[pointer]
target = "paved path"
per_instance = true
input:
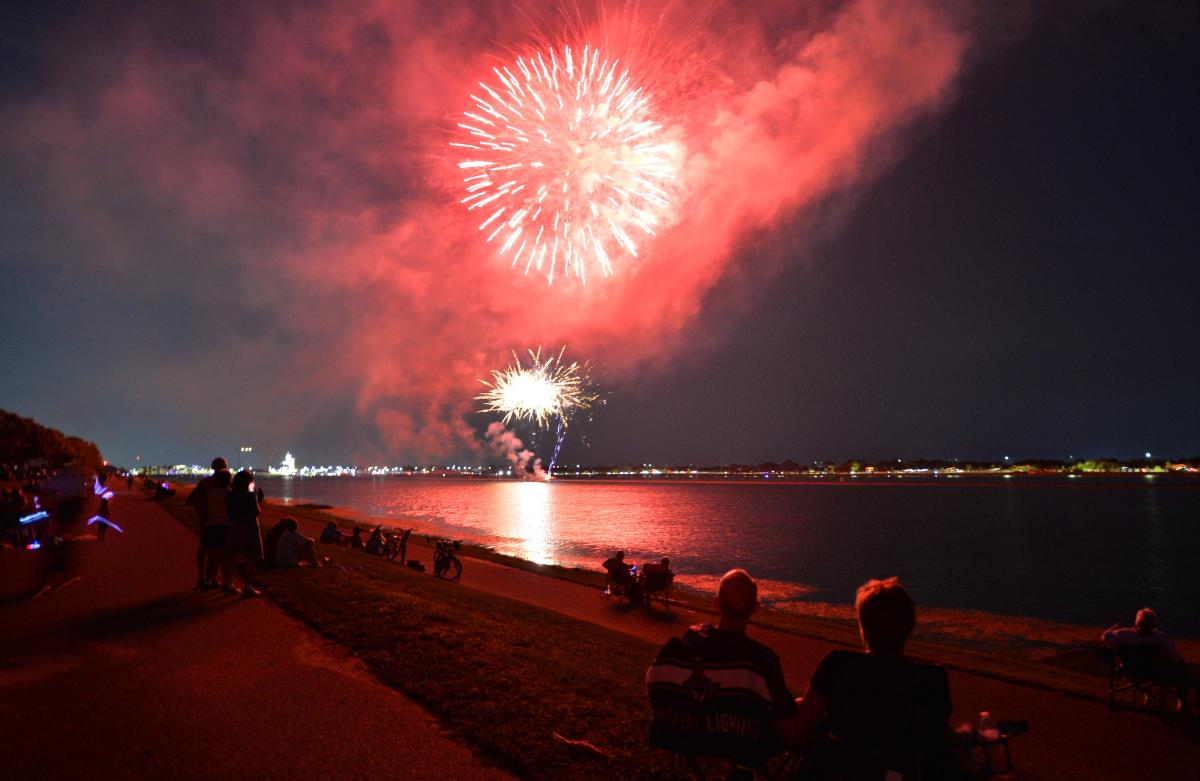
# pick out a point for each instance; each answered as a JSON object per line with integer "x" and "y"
{"x": 129, "y": 673}
{"x": 1070, "y": 738}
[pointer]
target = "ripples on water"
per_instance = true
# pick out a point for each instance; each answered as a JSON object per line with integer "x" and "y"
{"x": 1088, "y": 551}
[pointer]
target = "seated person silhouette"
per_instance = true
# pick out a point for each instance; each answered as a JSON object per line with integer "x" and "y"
{"x": 618, "y": 569}
{"x": 656, "y": 579}
{"x": 331, "y": 535}
{"x": 1144, "y": 631}
{"x": 1167, "y": 667}
{"x": 271, "y": 540}
{"x": 717, "y": 693}
{"x": 375, "y": 542}
{"x": 660, "y": 570}
{"x": 875, "y": 714}
{"x": 293, "y": 548}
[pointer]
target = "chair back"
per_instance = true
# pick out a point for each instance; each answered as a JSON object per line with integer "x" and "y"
{"x": 657, "y": 578}
{"x": 1143, "y": 661}
{"x": 710, "y": 707}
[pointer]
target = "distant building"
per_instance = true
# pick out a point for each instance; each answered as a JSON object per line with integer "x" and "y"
{"x": 287, "y": 468}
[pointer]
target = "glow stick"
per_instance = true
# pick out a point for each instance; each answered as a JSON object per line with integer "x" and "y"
{"x": 102, "y": 519}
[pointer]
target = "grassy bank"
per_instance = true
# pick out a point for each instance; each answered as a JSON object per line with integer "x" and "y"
{"x": 504, "y": 676}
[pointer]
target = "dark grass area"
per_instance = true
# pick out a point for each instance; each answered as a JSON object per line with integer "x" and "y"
{"x": 502, "y": 675}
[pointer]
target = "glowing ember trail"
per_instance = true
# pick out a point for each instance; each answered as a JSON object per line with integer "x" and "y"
{"x": 540, "y": 391}
{"x": 565, "y": 163}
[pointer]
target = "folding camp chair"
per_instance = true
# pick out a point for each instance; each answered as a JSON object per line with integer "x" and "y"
{"x": 1145, "y": 672}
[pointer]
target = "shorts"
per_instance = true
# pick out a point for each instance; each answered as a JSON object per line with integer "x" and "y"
{"x": 214, "y": 536}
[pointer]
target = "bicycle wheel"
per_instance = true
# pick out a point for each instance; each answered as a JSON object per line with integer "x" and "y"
{"x": 451, "y": 569}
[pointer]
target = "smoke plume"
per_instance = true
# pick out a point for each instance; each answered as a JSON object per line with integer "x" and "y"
{"x": 290, "y": 163}
{"x": 507, "y": 445}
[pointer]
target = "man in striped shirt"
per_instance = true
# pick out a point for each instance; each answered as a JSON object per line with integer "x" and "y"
{"x": 716, "y": 692}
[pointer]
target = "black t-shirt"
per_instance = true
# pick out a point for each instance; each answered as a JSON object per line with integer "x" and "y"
{"x": 885, "y": 707}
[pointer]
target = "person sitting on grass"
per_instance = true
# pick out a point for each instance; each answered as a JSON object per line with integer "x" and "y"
{"x": 330, "y": 534}
{"x": 271, "y": 542}
{"x": 293, "y": 548}
{"x": 356, "y": 540}
{"x": 875, "y": 712}
{"x": 716, "y": 692}
{"x": 375, "y": 542}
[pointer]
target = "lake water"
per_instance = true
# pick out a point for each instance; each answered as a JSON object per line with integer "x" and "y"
{"x": 1089, "y": 550}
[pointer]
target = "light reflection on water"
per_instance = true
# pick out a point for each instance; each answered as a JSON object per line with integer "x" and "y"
{"x": 1082, "y": 551}
{"x": 524, "y": 515}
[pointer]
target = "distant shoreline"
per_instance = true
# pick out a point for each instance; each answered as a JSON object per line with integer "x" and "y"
{"x": 788, "y": 471}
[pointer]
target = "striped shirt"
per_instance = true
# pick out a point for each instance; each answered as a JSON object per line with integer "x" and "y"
{"x": 718, "y": 693}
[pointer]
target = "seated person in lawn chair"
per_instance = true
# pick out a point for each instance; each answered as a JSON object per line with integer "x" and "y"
{"x": 1144, "y": 658}
{"x": 716, "y": 693}
{"x": 876, "y": 714}
{"x": 622, "y": 579}
{"x": 656, "y": 581}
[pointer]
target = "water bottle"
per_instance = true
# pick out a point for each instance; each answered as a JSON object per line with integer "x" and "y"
{"x": 993, "y": 753}
{"x": 987, "y": 729}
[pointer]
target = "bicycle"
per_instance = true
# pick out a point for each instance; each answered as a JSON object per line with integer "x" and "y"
{"x": 445, "y": 564}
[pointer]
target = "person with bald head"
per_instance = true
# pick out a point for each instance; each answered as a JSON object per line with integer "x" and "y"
{"x": 1144, "y": 631}
{"x": 717, "y": 692}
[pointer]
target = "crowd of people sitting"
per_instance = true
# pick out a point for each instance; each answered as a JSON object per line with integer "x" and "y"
{"x": 232, "y": 545}
{"x": 390, "y": 544}
{"x": 23, "y": 474}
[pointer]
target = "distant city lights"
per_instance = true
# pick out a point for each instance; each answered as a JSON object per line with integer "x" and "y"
{"x": 815, "y": 469}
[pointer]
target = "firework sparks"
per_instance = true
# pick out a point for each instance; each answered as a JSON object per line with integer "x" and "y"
{"x": 565, "y": 165}
{"x": 542, "y": 390}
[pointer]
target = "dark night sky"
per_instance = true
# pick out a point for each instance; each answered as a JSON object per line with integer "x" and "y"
{"x": 1022, "y": 280}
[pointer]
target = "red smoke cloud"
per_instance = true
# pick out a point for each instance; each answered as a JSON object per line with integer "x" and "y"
{"x": 313, "y": 143}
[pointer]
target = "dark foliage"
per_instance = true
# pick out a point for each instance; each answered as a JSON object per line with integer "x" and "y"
{"x": 25, "y": 441}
